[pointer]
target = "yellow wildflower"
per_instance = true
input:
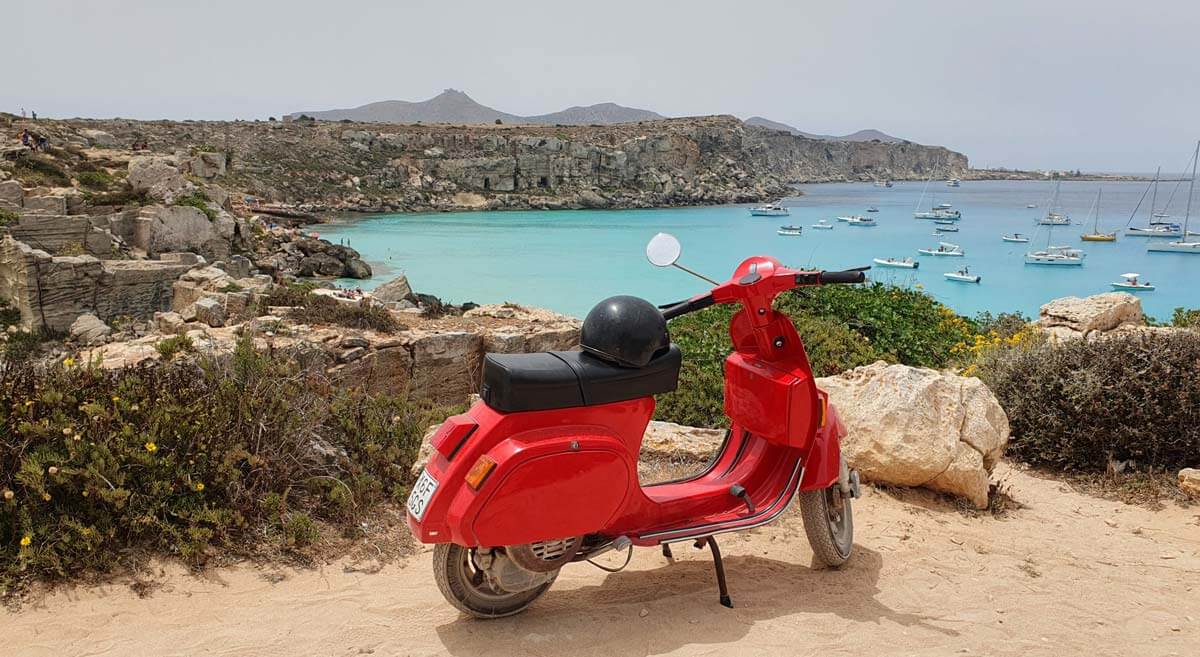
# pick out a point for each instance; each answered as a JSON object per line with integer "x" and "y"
{"x": 116, "y": 398}
{"x": 52, "y": 470}
{"x": 46, "y": 496}
{"x": 85, "y": 493}
{"x": 69, "y": 362}
{"x": 75, "y": 437}
{"x": 68, "y": 431}
{"x": 151, "y": 447}
{"x": 26, "y": 540}
{"x": 199, "y": 486}
{"x": 8, "y": 494}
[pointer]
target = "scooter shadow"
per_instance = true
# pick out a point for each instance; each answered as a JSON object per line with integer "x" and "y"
{"x": 680, "y": 600}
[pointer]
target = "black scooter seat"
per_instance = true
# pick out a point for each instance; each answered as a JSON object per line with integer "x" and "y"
{"x": 562, "y": 379}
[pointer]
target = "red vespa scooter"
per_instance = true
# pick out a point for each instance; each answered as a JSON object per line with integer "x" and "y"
{"x": 543, "y": 470}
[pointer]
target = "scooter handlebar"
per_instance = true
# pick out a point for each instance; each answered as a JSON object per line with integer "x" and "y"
{"x": 849, "y": 276}
{"x": 673, "y": 310}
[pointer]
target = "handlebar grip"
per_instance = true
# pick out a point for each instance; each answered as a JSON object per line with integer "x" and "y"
{"x": 846, "y": 277}
{"x": 689, "y": 305}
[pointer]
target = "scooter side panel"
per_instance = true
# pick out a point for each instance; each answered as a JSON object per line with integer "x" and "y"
{"x": 568, "y": 493}
{"x": 822, "y": 463}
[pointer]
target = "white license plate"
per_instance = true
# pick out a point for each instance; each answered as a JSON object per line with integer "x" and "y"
{"x": 422, "y": 492}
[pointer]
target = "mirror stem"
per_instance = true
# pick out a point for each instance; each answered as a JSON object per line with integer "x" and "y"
{"x": 700, "y": 276}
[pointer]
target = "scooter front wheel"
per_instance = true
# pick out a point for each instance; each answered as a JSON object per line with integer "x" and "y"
{"x": 464, "y": 585}
{"x": 829, "y": 523}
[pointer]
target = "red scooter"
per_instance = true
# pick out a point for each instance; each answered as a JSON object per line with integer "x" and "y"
{"x": 543, "y": 470}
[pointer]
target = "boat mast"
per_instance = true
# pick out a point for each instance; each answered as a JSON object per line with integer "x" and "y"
{"x": 1191, "y": 188}
{"x": 1154, "y": 196}
{"x": 924, "y": 189}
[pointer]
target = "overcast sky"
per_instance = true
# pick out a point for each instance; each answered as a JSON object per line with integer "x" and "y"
{"x": 1090, "y": 84}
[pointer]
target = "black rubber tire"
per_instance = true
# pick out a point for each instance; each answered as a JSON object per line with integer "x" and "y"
{"x": 832, "y": 541}
{"x": 452, "y": 570}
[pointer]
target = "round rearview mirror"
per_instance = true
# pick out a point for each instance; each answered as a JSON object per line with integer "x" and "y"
{"x": 663, "y": 250}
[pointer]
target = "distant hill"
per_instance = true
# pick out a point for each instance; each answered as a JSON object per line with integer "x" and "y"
{"x": 861, "y": 135}
{"x": 453, "y": 106}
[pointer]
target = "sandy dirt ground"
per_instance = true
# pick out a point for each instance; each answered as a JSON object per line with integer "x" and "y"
{"x": 1066, "y": 575}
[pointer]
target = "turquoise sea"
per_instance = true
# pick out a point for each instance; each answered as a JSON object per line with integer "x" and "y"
{"x": 569, "y": 260}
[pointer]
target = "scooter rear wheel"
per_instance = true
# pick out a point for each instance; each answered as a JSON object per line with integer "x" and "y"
{"x": 829, "y": 523}
{"x": 466, "y": 587}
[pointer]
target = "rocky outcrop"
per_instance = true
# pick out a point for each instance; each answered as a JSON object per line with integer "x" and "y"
{"x": 396, "y": 290}
{"x": 88, "y": 329}
{"x": 167, "y": 228}
{"x": 1189, "y": 482}
{"x": 911, "y": 426}
{"x": 286, "y": 251}
{"x": 797, "y": 158}
{"x": 158, "y": 176}
{"x": 1073, "y": 317}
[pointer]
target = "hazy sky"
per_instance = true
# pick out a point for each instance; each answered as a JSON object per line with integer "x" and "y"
{"x": 1091, "y": 84}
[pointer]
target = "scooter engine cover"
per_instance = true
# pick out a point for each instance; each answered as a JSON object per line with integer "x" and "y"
{"x": 570, "y": 493}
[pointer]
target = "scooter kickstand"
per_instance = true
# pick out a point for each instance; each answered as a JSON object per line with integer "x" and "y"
{"x": 722, "y": 588}
{"x": 667, "y": 551}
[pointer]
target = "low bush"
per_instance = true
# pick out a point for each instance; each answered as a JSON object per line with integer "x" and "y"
{"x": 98, "y": 179}
{"x": 174, "y": 345}
{"x": 198, "y": 200}
{"x": 1185, "y": 318}
{"x": 41, "y": 170}
{"x": 120, "y": 197}
{"x": 100, "y": 469}
{"x": 309, "y": 308}
{"x": 8, "y": 217}
{"x": 9, "y": 316}
{"x": 1085, "y": 405}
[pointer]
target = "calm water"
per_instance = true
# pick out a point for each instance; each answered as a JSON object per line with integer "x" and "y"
{"x": 568, "y": 260}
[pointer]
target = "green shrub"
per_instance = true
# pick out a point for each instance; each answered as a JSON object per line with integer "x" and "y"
{"x": 8, "y": 217}
{"x": 198, "y": 200}
{"x": 9, "y": 316}
{"x": 24, "y": 344}
{"x": 95, "y": 179}
{"x": 1004, "y": 325}
{"x": 1184, "y": 318}
{"x": 1082, "y": 405}
{"x": 100, "y": 469}
{"x": 308, "y": 308}
{"x": 903, "y": 325}
{"x": 290, "y": 294}
{"x": 41, "y": 170}
{"x": 174, "y": 345}
{"x": 121, "y": 197}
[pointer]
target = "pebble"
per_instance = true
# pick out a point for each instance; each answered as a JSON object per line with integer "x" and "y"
{"x": 644, "y": 612}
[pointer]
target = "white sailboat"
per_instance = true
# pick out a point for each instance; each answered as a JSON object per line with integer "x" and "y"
{"x": 1053, "y": 218}
{"x": 943, "y": 211}
{"x": 1055, "y": 255}
{"x": 1153, "y": 227}
{"x": 1184, "y": 244}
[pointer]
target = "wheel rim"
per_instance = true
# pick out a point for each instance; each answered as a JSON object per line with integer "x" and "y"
{"x": 473, "y": 578}
{"x": 837, "y": 513}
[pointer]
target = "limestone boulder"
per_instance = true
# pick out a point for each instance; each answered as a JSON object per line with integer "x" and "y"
{"x": 158, "y": 176}
{"x": 679, "y": 442}
{"x": 912, "y": 426}
{"x": 55, "y": 204}
{"x": 11, "y": 192}
{"x": 1189, "y": 482}
{"x": 209, "y": 311}
{"x": 88, "y": 329}
{"x": 396, "y": 289}
{"x": 1075, "y": 317}
{"x": 100, "y": 138}
{"x": 445, "y": 365}
{"x": 205, "y": 165}
{"x": 167, "y": 228}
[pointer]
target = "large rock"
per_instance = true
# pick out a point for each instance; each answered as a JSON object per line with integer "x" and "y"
{"x": 396, "y": 289}
{"x": 100, "y": 138}
{"x": 88, "y": 329}
{"x": 158, "y": 176}
{"x": 446, "y": 366}
{"x": 210, "y": 311}
{"x": 205, "y": 165}
{"x": 163, "y": 229}
{"x": 11, "y": 192}
{"x": 1189, "y": 482}
{"x": 55, "y": 204}
{"x": 912, "y": 426}
{"x": 1070, "y": 317}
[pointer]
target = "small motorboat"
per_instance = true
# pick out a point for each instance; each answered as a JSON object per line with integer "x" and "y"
{"x": 944, "y": 249}
{"x": 770, "y": 210}
{"x": 946, "y": 229}
{"x": 1132, "y": 284}
{"x": 823, "y": 224}
{"x": 861, "y": 221}
{"x": 943, "y": 222}
{"x": 1031, "y": 206}
{"x": 1016, "y": 237}
{"x": 963, "y": 275}
{"x": 872, "y": 209}
{"x": 900, "y": 263}
{"x": 790, "y": 230}
{"x": 847, "y": 217}
{"x": 953, "y": 182}
{"x": 883, "y": 183}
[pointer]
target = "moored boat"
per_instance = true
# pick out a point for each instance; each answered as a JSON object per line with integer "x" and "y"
{"x": 899, "y": 263}
{"x": 1016, "y": 237}
{"x": 1096, "y": 235}
{"x": 823, "y": 224}
{"x": 1132, "y": 284}
{"x": 953, "y": 182}
{"x": 790, "y": 230}
{"x": 861, "y": 221}
{"x": 943, "y": 249}
{"x": 946, "y": 229}
{"x": 770, "y": 210}
{"x": 872, "y": 209}
{"x": 943, "y": 211}
{"x": 963, "y": 275}
{"x": 1055, "y": 255}
{"x": 1052, "y": 217}
{"x": 1183, "y": 245}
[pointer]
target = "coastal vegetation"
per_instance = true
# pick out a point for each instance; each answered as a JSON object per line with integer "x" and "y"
{"x": 100, "y": 469}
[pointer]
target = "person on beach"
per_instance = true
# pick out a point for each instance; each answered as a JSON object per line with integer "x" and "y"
{"x": 33, "y": 114}
{"x": 42, "y": 144}
{"x": 25, "y": 139}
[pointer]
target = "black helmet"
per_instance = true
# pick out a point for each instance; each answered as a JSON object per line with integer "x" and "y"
{"x": 624, "y": 330}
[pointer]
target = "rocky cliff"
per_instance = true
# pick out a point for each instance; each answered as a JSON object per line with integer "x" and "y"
{"x": 374, "y": 167}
